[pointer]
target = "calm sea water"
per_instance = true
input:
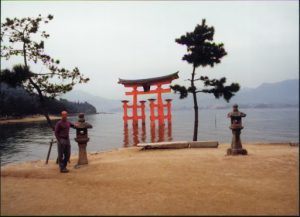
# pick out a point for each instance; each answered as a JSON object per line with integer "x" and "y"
{"x": 30, "y": 141}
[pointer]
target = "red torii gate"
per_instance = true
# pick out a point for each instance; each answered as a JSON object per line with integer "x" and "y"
{"x": 146, "y": 84}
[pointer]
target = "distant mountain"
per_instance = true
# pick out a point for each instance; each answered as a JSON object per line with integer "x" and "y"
{"x": 102, "y": 104}
{"x": 279, "y": 94}
{"x": 267, "y": 95}
{"x": 286, "y": 92}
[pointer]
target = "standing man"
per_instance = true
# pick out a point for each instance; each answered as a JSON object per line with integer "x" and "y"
{"x": 62, "y": 128}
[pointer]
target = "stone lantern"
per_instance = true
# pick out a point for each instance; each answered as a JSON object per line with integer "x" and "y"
{"x": 82, "y": 138}
{"x": 236, "y": 127}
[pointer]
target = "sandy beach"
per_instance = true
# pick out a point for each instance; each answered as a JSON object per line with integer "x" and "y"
{"x": 159, "y": 182}
{"x": 34, "y": 118}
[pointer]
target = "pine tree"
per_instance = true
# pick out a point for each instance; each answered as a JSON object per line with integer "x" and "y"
{"x": 202, "y": 51}
{"x": 19, "y": 38}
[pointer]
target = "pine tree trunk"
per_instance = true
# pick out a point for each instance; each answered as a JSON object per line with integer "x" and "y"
{"x": 195, "y": 136}
{"x": 42, "y": 99}
{"x": 42, "y": 103}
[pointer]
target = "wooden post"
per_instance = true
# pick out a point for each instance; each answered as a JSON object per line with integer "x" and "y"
{"x": 135, "y": 106}
{"x": 153, "y": 133}
{"x": 152, "y": 112}
{"x": 126, "y": 138}
{"x": 125, "y": 107}
{"x": 161, "y": 133}
{"x": 135, "y": 134}
{"x": 50, "y": 147}
{"x": 143, "y": 116}
{"x": 160, "y": 106}
{"x": 143, "y": 133}
{"x": 169, "y": 114}
{"x": 170, "y": 132}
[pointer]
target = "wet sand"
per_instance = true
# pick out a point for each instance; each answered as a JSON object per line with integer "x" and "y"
{"x": 29, "y": 119}
{"x": 159, "y": 182}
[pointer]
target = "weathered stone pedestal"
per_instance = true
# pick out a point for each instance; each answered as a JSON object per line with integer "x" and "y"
{"x": 82, "y": 155}
{"x": 236, "y": 145}
{"x": 236, "y": 127}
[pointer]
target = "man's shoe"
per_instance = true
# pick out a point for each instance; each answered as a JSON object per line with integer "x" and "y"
{"x": 64, "y": 170}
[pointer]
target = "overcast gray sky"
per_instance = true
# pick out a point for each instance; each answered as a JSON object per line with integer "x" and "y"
{"x": 132, "y": 40}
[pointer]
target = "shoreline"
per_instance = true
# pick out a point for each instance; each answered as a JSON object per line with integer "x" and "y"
{"x": 75, "y": 154}
{"x": 128, "y": 181}
{"x": 28, "y": 119}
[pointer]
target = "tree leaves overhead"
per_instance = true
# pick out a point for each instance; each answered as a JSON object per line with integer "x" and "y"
{"x": 200, "y": 50}
{"x": 18, "y": 38}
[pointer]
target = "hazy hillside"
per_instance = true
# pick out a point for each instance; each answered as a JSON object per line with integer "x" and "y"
{"x": 17, "y": 102}
{"x": 280, "y": 94}
{"x": 285, "y": 93}
{"x": 101, "y": 104}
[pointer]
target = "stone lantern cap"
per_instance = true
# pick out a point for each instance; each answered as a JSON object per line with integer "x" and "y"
{"x": 81, "y": 124}
{"x": 236, "y": 114}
